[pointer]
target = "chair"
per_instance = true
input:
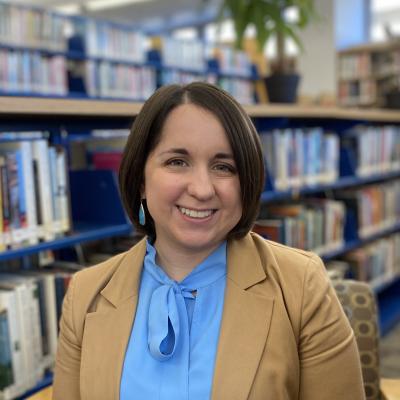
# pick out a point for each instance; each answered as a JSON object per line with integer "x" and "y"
{"x": 359, "y": 304}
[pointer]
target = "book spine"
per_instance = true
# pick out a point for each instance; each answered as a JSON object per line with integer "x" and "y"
{"x": 6, "y": 371}
{"x": 41, "y": 156}
{"x": 29, "y": 189}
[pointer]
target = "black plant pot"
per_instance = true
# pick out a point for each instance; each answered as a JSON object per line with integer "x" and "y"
{"x": 282, "y": 88}
{"x": 392, "y": 99}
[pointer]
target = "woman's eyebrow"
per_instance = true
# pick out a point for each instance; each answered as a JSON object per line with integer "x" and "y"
{"x": 183, "y": 151}
{"x": 224, "y": 156}
{"x": 175, "y": 151}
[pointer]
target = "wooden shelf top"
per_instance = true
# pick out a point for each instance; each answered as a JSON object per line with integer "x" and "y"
{"x": 61, "y": 106}
{"x": 308, "y": 111}
{"x": 27, "y": 106}
{"x": 371, "y": 47}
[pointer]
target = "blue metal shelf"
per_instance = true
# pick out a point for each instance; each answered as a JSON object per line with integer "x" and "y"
{"x": 389, "y": 311}
{"x": 82, "y": 233}
{"x": 341, "y": 183}
{"x": 46, "y": 381}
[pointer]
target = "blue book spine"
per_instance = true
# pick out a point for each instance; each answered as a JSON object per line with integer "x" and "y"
{"x": 21, "y": 187}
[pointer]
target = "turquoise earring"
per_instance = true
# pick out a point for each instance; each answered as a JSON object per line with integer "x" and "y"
{"x": 142, "y": 215}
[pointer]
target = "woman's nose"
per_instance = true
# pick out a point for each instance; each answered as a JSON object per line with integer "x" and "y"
{"x": 201, "y": 185}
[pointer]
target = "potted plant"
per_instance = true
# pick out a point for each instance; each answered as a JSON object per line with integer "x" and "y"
{"x": 269, "y": 18}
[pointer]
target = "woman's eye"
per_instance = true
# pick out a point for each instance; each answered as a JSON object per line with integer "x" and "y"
{"x": 176, "y": 162}
{"x": 225, "y": 168}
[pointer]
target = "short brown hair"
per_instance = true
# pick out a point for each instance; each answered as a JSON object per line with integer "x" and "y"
{"x": 146, "y": 132}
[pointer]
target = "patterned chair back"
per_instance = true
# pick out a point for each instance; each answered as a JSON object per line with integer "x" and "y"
{"x": 358, "y": 301}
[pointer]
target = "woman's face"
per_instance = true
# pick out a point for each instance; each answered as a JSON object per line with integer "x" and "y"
{"x": 191, "y": 185}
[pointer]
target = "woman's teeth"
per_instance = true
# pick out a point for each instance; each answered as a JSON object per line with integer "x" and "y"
{"x": 195, "y": 214}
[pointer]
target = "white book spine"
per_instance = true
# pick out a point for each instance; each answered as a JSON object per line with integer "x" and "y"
{"x": 63, "y": 198}
{"x": 41, "y": 155}
{"x": 51, "y": 313}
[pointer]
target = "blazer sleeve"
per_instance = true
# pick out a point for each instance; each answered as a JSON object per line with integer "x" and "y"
{"x": 67, "y": 367}
{"x": 329, "y": 359}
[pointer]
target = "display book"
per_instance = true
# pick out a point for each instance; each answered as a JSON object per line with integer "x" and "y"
{"x": 59, "y": 55}
{"x": 93, "y": 189}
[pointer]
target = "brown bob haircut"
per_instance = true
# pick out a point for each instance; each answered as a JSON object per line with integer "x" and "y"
{"x": 146, "y": 132}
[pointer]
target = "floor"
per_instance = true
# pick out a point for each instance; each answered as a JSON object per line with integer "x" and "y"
{"x": 390, "y": 354}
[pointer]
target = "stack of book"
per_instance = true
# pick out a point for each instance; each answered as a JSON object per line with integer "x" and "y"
{"x": 34, "y": 202}
{"x": 301, "y": 157}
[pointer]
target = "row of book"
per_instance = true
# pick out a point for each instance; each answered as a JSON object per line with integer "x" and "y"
{"x": 180, "y": 53}
{"x": 32, "y": 72}
{"x": 354, "y": 66}
{"x": 30, "y": 308}
{"x": 33, "y": 193}
{"x": 170, "y": 76}
{"x": 233, "y": 61}
{"x": 105, "y": 79}
{"x": 377, "y": 263}
{"x": 31, "y": 27}
{"x": 361, "y": 92}
{"x": 315, "y": 224}
{"x": 324, "y": 225}
{"x": 110, "y": 41}
{"x": 376, "y": 149}
{"x": 242, "y": 90}
{"x": 301, "y": 157}
{"x": 365, "y": 65}
{"x": 375, "y": 207}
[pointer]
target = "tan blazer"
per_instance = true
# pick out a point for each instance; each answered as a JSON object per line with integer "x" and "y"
{"x": 283, "y": 334}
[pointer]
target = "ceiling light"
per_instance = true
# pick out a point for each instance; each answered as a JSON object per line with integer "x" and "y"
{"x": 95, "y": 5}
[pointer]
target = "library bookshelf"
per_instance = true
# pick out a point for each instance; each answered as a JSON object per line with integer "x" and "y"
{"x": 368, "y": 73}
{"x": 63, "y": 116}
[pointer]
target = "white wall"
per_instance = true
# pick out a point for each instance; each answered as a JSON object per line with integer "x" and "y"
{"x": 316, "y": 64}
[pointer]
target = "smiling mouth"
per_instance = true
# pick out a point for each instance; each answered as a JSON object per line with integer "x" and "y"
{"x": 196, "y": 214}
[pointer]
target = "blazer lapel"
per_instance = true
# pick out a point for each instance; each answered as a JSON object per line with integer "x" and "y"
{"x": 245, "y": 323}
{"x": 107, "y": 330}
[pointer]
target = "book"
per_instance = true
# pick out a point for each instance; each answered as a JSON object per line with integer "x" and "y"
{"x": 27, "y": 200}
{"x": 8, "y": 300}
{"x": 6, "y": 371}
{"x": 40, "y": 154}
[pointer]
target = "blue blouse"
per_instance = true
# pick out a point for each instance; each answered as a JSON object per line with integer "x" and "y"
{"x": 173, "y": 344}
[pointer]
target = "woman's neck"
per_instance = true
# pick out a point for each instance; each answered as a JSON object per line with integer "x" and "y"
{"x": 178, "y": 263}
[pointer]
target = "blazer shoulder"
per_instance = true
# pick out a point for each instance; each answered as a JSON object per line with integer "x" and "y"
{"x": 285, "y": 258}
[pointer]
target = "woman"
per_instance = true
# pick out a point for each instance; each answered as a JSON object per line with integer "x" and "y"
{"x": 201, "y": 308}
